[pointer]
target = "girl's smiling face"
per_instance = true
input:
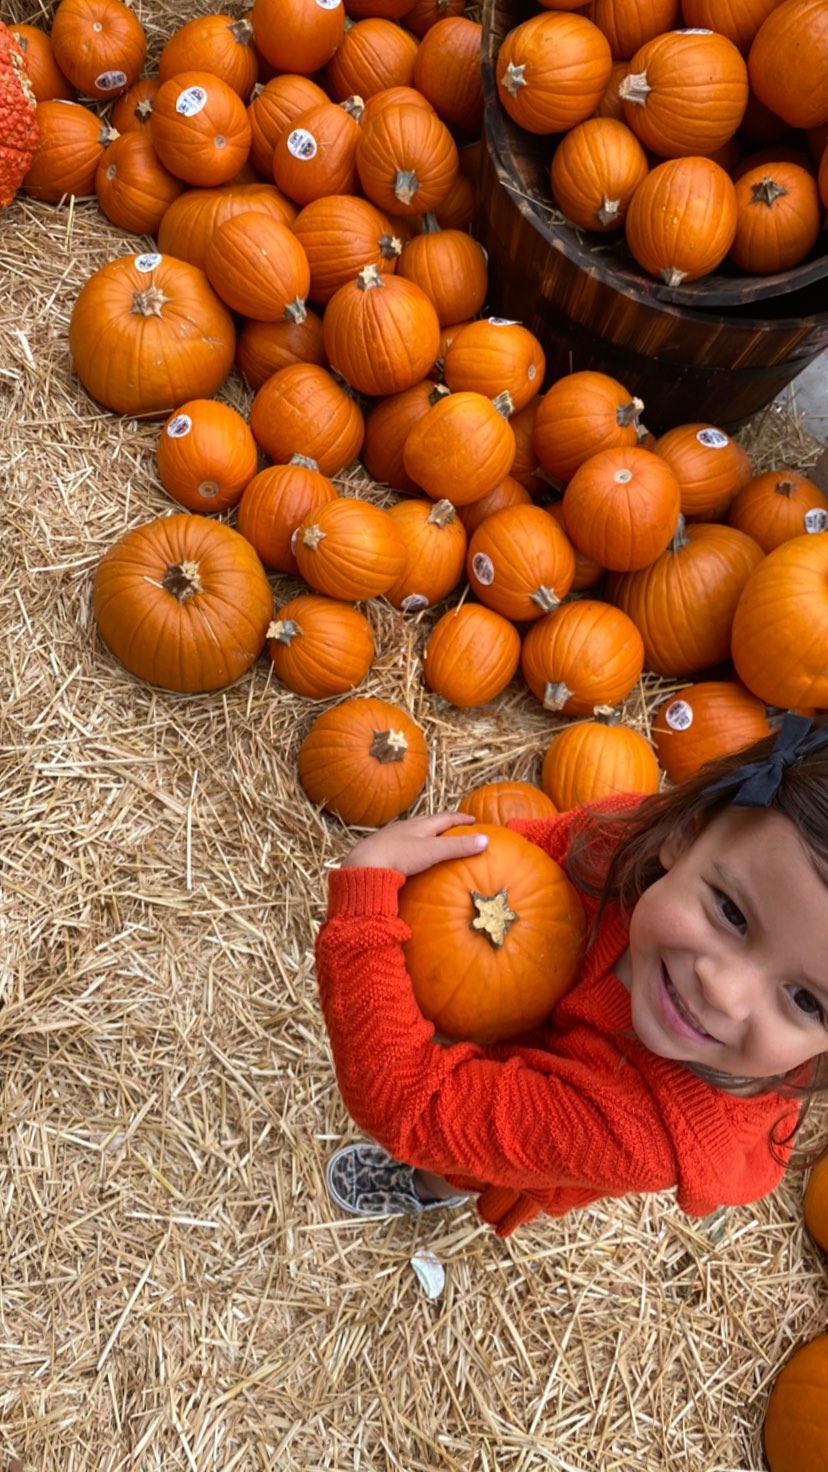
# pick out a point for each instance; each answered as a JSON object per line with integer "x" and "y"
{"x": 728, "y": 953}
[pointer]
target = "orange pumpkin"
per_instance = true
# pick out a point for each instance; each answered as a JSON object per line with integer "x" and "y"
{"x": 551, "y": 71}
{"x": 447, "y": 72}
{"x": 707, "y": 465}
{"x": 297, "y": 35}
{"x": 681, "y": 219}
{"x": 206, "y": 455}
{"x": 788, "y": 62}
{"x": 627, "y": 24}
{"x": 435, "y": 553}
{"x": 593, "y": 759}
{"x": 349, "y": 549}
{"x": 71, "y": 141}
{"x": 501, "y": 802}
{"x": 183, "y": 602}
{"x": 450, "y": 267}
{"x": 132, "y": 111}
{"x": 373, "y": 54}
{"x": 407, "y": 160}
{"x": 520, "y": 563}
{"x": 258, "y": 268}
{"x": 595, "y": 171}
{"x": 301, "y": 410}
{"x": 340, "y": 234}
{"x": 780, "y": 627}
{"x": 188, "y": 226}
{"x": 262, "y": 348}
{"x": 587, "y": 572}
{"x": 685, "y": 92}
{"x": 815, "y": 1204}
{"x": 316, "y": 155}
{"x": 580, "y": 656}
{"x": 47, "y": 80}
{"x": 99, "y": 45}
{"x": 471, "y": 655}
{"x": 494, "y": 356}
{"x": 703, "y": 722}
{"x": 365, "y": 760}
{"x": 739, "y": 20}
{"x": 778, "y": 505}
{"x": 795, "y": 1428}
{"x": 386, "y": 431}
{"x": 217, "y": 44}
{"x": 273, "y": 109}
{"x": 620, "y": 508}
{"x": 133, "y": 189}
{"x": 273, "y": 504}
{"x": 461, "y": 448}
{"x": 513, "y": 926}
{"x": 580, "y": 415}
{"x": 199, "y": 128}
{"x": 148, "y": 332}
{"x": 510, "y": 492}
{"x": 683, "y": 603}
{"x": 381, "y": 333}
{"x": 320, "y": 647}
{"x": 778, "y": 218}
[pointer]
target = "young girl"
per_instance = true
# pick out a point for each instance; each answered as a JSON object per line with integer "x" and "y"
{"x": 680, "y": 1057}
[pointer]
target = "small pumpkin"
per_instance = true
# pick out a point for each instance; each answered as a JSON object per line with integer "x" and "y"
{"x": 595, "y": 171}
{"x": 795, "y": 1428}
{"x": 703, "y": 722}
{"x": 273, "y": 504}
{"x": 407, "y": 160}
{"x": 133, "y": 189}
{"x": 471, "y": 655}
{"x": 620, "y": 508}
{"x": 580, "y": 415}
{"x": 627, "y": 24}
{"x": 707, "y": 465}
{"x": 681, "y": 219}
{"x": 147, "y": 332}
{"x": 513, "y": 926}
{"x": 778, "y": 218}
{"x": 460, "y": 449}
{"x": 199, "y": 128}
{"x": 297, "y": 35}
{"x": 778, "y": 505}
{"x": 386, "y": 430}
{"x": 272, "y": 108}
{"x": 217, "y": 44}
{"x": 788, "y": 62}
{"x": 381, "y": 333}
{"x": 20, "y": 119}
{"x": 435, "y": 553}
{"x": 581, "y": 656}
{"x": 258, "y": 268}
{"x": 450, "y": 267}
{"x": 320, "y": 647}
{"x": 71, "y": 141}
{"x": 739, "y": 20}
{"x": 132, "y": 111}
{"x": 780, "y": 627}
{"x": 45, "y": 76}
{"x": 301, "y": 410}
{"x": 349, "y": 549}
{"x": 587, "y": 572}
{"x": 188, "y": 226}
{"x": 340, "y": 234}
{"x": 685, "y": 92}
{"x": 364, "y": 760}
{"x": 99, "y": 45}
{"x": 589, "y": 760}
{"x": 510, "y": 492}
{"x": 183, "y": 602}
{"x": 551, "y": 71}
{"x": 262, "y": 348}
{"x": 206, "y": 455}
{"x": 447, "y": 73}
{"x": 815, "y": 1204}
{"x": 520, "y": 563}
{"x": 316, "y": 155}
{"x": 374, "y": 54}
{"x": 501, "y": 802}
{"x": 494, "y": 356}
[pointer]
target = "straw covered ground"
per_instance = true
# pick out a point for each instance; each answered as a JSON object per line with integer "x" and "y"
{"x": 177, "y": 1292}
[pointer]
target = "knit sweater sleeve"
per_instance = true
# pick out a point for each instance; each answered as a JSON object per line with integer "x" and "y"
{"x": 520, "y": 1117}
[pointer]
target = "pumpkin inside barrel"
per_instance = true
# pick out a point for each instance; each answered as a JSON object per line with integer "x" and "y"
{"x": 496, "y": 939}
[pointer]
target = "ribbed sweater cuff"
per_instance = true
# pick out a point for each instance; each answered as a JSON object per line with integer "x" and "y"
{"x": 363, "y": 891}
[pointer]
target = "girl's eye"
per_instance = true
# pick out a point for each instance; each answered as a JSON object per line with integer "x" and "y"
{"x": 806, "y": 1003}
{"x": 730, "y": 911}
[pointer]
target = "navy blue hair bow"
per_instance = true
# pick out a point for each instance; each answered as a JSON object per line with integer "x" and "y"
{"x": 757, "y": 783}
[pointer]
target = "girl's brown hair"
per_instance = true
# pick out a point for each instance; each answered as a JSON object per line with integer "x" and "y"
{"x": 635, "y": 838}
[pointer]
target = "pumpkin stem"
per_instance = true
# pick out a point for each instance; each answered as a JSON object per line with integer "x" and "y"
{"x": 143, "y": 109}
{"x": 439, "y": 391}
{"x": 390, "y": 246}
{"x": 546, "y": 598}
{"x": 305, "y": 460}
{"x": 556, "y": 695}
{"x": 388, "y": 746}
{"x": 635, "y": 88}
{"x": 369, "y": 277}
{"x": 241, "y": 31}
{"x": 606, "y": 715}
{"x": 786, "y": 488}
{"x": 149, "y": 302}
{"x": 494, "y": 917}
{"x": 295, "y": 311}
{"x": 182, "y": 580}
{"x": 607, "y": 211}
{"x": 680, "y": 538}
{"x": 766, "y": 191}
{"x": 503, "y": 403}
{"x": 513, "y": 78}
{"x": 354, "y": 106}
{"x": 627, "y": 413}
{"x": 406, "y": 185}
{"x": 429, "y": 224}
{"x": 442, "y": 513}
{"x": 283, "y": 630}
{"x": 672, "y": 276}
{"x": 312, "y": 536}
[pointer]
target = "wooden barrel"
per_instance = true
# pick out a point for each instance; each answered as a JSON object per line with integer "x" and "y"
{"x": 684, "y": 353}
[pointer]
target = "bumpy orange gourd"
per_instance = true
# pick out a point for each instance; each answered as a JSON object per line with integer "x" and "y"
{"x": 364, "y": 760}
{"x": 183, "y": 602}
{"x": 703, "y": 722}
{"x": 18, "y": 117}
{"x": 795, "y": 1429}
{"x": 513, "y": 926}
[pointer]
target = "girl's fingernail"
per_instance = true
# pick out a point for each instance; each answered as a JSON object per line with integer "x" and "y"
{"x": 480, "y": 840}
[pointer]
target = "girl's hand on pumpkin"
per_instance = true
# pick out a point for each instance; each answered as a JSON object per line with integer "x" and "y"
{"x": 415, "y": 844}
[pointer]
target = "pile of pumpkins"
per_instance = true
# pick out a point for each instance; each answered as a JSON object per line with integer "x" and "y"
{"x": 592, "y": 551}
{"x": 703, "y": 144}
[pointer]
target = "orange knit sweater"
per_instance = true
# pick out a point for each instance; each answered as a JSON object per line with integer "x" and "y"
{"x": 582, "y": 1111}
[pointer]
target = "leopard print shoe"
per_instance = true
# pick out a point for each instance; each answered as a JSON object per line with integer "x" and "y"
{"x": 365, "y": 1180}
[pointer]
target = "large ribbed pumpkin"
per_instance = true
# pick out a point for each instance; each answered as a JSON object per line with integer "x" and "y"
{"x": 495, "y": 939}
{"x": 364, "y": 760}
{"x": 795, "y": 1430}
{"x": 148, "y": 332}
{"x": 780, "y": 628}
{"x": 183, "y": 602}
